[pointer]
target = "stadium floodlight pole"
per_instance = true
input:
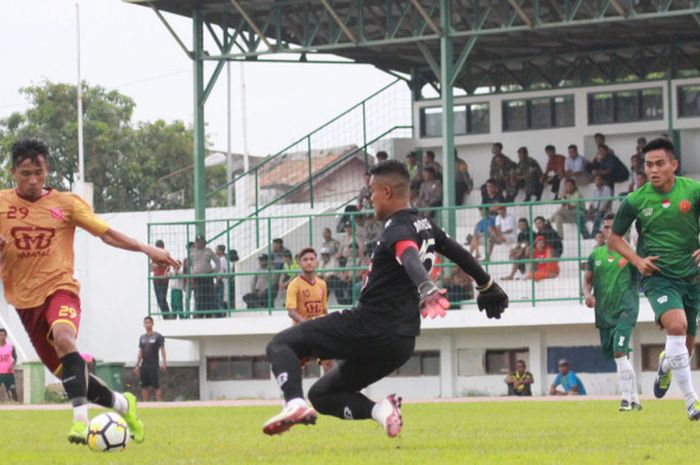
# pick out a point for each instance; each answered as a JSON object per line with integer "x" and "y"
{"x": 79, "y": 188}
{"x": 243, "y": 182}
{"x": 198, "y": 122}
{"x": 229, "y": 159}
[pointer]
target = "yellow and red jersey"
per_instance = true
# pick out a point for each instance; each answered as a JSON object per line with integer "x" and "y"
{"x": 308, "y": 298}
{"x": 38, "y": 258}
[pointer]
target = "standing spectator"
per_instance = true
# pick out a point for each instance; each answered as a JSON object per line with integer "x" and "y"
{"x": 330, "y": 262}
{"x": 554, "y": 171}
{"x": 430, "y": 193}
{"x": 575, "y": 165}
{"x": 569, "y": 212}
{"x": 567, "y": 379}
{"x": 176, "y": 295}
{"x": 372, "y": 229}
{"x": 363, "y": 198}
{"x": 520, "y": 380}
{"x": 187, "y": 286}
{"x": 463, "y": 180}
{"x": 203, "y": 261}
{"x": 459, "y": 285}
{"x": 553, "y": 239}
{"x": 382, "y": 156}
{"x": 8, "y": 359}
{"x": 543, "y": 270}
{"x": 278, "y": 253}
{"x": 530, "y": 174}
{"x": 221, "y": 283}
{"x": 291, "y": 268}
{"x": 431, "y": 162}
{"x": 147, "y": 361}
{"x": 521, "y": 251}
{"x": 160, "y": 284}
{"x": 329, "y": 242}
{"x": 261, "y": 287}
{"x": 413, "y": 168}
{"x": 500, "y": 169}
{"x": 232, "y": 259}
{"x": 598, "y": 207}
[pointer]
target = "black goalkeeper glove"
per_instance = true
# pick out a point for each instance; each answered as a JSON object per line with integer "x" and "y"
{"x": 492, "y": 299}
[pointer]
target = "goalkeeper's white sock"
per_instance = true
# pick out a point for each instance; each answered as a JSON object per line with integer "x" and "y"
{"x": 625, "y": 375}
{"x": 679, "y": 361}
{"x": 296, "y": 402}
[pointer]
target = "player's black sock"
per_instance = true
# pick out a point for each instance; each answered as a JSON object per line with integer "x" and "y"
{"x": 285, "y": 362}
{"x": 74, "y": 378}
{"x": 98, "y": 392}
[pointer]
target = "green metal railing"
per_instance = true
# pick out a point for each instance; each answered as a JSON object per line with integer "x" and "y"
{"x": 306, "y": 230}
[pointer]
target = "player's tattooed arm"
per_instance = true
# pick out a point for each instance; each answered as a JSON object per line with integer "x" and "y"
{"x": 122, "y": 241}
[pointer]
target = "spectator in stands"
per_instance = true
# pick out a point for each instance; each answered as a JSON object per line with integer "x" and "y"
{"x": 371, "y": 231}
{"x": 363, "y": 198}
{"x": 221, "y": 283}
{"x": 504, "y": 231}
{"x": 641, "y": 142}
{"x": 600, "y": 140}
{"x": 262, "y": 288}
{"x": 232, "y": 259}
{"x": 543, "y": 270}
{"x": 160, "y": 285}
{"x": 604, "y": 164}
{"x": 636, "y": 167}
{"x": 529, "y": 173}
{"x": 203, "y": 261}
{"x": 553, "y": 239}
{"x": 575, "y": 165}
{"x": 512, "y": 187}
{"x": 493, "y": 196}
{"x": 177, "y": 286}
{"x": 329, "y": 242}
{"x": 482, "y": 229}
{"x": 278, "y": 253}
{"x": 571, "y": 384}
{"x": 598, "y": 207}
{"x": 459, "y": 287}
{"x": 521, "y": 251}
{"x": 414, "y": 170}
{"x": 431, "y": 162}
{"x": 330, "y": 262}
{"x": 187, "y": 282}
{"x": 569, "y": 212}
{"x": 554, "y": 170}
{"x": 291, "y": 268}
{"x": 349, "y": 237}
{"x": 520, "y": 380}
{"x": 430, "y": 193}
{"x": 463, "y": 180}
{"x": 382, "y": 156}
{"x": 349, "y": 258}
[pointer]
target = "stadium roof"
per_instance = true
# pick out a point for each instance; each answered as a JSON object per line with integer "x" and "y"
{"x": 496, "y": 43}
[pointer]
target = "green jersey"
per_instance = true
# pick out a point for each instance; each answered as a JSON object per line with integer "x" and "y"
{"x": 667, "y": 225}
{"x": 615, "y": 286}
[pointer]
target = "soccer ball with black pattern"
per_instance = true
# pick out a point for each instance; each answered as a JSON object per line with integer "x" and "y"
{"x": 107, "y": 432}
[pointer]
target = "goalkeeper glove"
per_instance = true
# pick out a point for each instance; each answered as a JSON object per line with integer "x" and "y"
{"x": 432, "y": 300}
{"x": 492, "y": 299}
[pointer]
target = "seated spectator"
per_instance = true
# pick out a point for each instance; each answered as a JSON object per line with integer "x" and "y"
{"x": 459, "y": 287}
{"x": 381, "y": 156}
{"x": 262, "y": 289}
{"x": 349, "y": 236}
{"x": 553, "y": 239}
{"x": 371, "y": 231}
{"x": 482, "y": 229}
{"x": 520, "y": 380}
{"x": 364, "y": 202}
{"x": 569, "y": 212}
{"x": 504, "y": 230}
{"x": 575, "y": 166}
{"x": 600, "y": 140}
{"x": 432, "y": 163}
{"x": 530, "y": 175}
{"x": 329, "y": 242}
{"x": 278, "y": 253}
{"x": 609, "y": 167}
{"x": 493, "y": 196}
{"x": 571, "y": 384}
{"x": 463, "y": 180}
{"x": 521, "y": 251}
{"x": 598, "y": 207}
{"x": 543, "y": 270}
{"x": 554, "y": 171}
{"x": 430, "y": 192}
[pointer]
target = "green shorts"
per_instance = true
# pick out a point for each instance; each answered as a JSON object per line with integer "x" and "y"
{"x": 666, "y": 294}
{"x": 616, "y": 339}
{"x": 8, "y": 380}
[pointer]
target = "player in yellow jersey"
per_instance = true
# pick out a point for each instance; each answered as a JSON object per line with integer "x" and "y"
{"x": 37, "y": 227}
{"x": 307, "y": 295}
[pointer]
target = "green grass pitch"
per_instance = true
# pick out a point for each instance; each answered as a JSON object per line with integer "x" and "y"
{"x": 539, "y": 432}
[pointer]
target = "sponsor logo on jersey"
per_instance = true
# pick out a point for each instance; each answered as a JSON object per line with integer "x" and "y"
{"x": 32, "y": 241}
{"x": 611, "y": 259}
{"x": 56, "y": 213}
{"x": 685, "y": 206}
{"x": 422, "y": 225}
{"x": 666, "y": 203}
{"x": 647, "y": 211}
{"x": 663, "y": 299}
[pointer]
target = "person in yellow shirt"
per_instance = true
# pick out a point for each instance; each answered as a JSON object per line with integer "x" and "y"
{"x": 37, "y": 228}
{"x": 307, "y": 295}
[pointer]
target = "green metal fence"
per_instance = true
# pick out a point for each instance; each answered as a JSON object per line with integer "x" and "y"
{"x": 226, "y": 292}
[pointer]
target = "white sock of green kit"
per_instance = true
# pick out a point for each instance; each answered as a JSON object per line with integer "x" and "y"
{"x": 625, "y": 375}
{"x": 679, "y": 361}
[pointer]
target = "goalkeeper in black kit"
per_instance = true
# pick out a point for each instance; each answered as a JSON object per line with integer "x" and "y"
{"x": 376, "y": 337}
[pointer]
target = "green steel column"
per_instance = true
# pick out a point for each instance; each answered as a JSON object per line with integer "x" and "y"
{"x": 448, "y": 145}
{"x": 198, "y": 123}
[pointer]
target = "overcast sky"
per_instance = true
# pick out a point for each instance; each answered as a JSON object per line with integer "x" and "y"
{"x": 126, "y": 47}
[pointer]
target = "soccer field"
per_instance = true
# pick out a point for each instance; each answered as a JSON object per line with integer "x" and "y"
{"x": 531, "y": 432}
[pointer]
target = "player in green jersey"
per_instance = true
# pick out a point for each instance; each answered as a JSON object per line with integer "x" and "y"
{"x": 611, "y": 287}
{"x": 666, "y": 211}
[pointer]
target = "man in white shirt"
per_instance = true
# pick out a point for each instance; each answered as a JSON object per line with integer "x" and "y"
{"x": 505, "y": 230}
{"x": 575, "y": 166}
{"x": 598, "y": 207}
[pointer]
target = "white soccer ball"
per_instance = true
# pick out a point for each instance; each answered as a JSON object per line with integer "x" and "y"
{"x": 107, "y": 432}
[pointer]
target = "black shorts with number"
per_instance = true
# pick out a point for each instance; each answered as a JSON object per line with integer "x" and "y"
{"x": 149, "y": 377}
